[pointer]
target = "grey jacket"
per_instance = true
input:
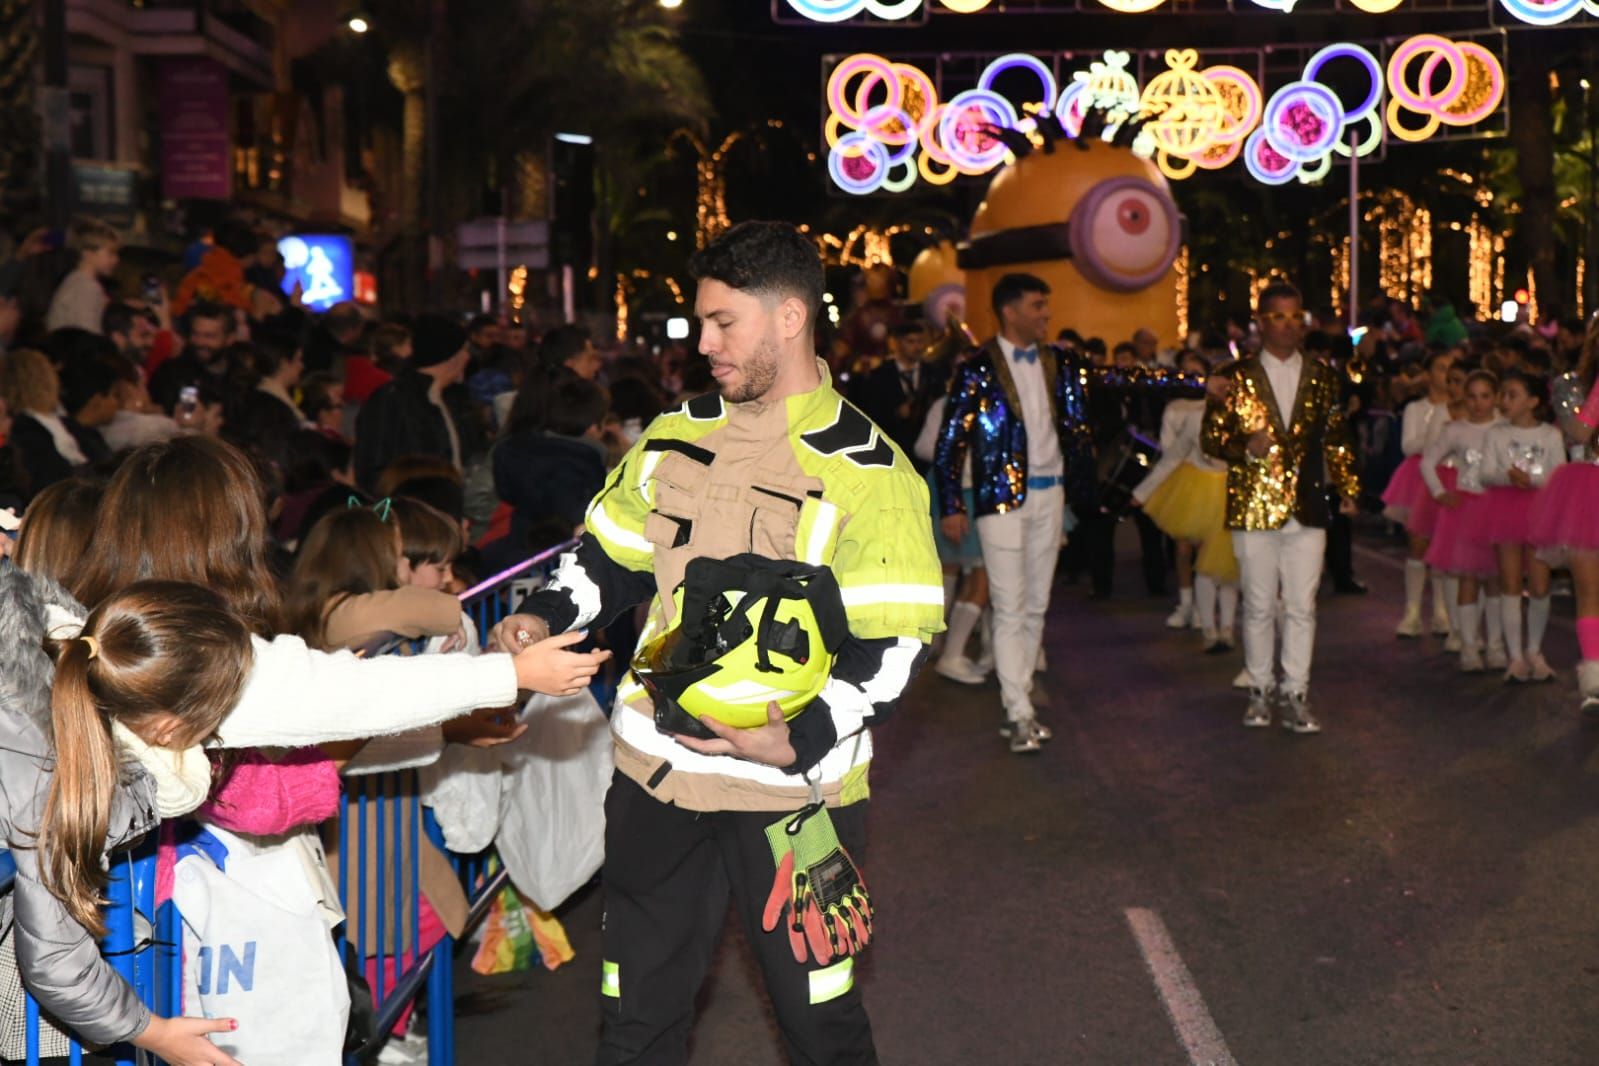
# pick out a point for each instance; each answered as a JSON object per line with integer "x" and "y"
{"x": 61, "y": 964}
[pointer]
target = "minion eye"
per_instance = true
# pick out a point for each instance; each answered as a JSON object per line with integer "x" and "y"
{"x": 1125, "y": 234}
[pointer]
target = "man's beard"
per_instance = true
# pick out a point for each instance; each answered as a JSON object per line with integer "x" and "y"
{"x": 759, "y": 374}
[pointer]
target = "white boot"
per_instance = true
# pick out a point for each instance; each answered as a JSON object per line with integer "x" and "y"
{"x": 1588, "y": 685}
{"x": 1410, "y": 625}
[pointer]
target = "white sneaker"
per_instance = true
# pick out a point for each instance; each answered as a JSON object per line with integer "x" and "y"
{"x": 408, "y": 1050}
{"x": 1452, "y": 644}
{"x": 1296, "y": 714}
{"x": 1181, "y": 618}
{"x": 1243, "y": 679}
{"x": 1040, "y": 730}
{"x": 1519, "y": 672}
{"x": 1410, "y": 625}
{"x": 959, "y": 669}
{"x": 1470, "y": 660}
{"x": 1541, "y": 670}
{"x": 1258, "y": 716}
{"x": 1496, "y": 658}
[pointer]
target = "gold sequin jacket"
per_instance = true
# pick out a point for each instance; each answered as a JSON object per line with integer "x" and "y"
{"x": 1312, "y": 453}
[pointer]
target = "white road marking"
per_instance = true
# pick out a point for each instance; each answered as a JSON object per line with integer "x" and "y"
{"x": 1185, "y": 1006}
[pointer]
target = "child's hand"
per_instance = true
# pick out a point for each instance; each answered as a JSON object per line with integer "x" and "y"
{"x": 1450, "y": 500}
{"x": 1519, "y": 478}
{"x": 548, "y": 668}
{"x": 455, "y": 642}
{"x": 182, "y": 1041}
{"x": 486, "y": 728}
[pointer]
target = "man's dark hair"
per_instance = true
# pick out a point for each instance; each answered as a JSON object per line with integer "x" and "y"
{"x": 1317, "y": 341}
{"x": 1012, "y": 287}
{"x": 236, "y": 237}
{"x": 207, "y": 309}
{"x": 119, "y": 318}
{"x": 479, "y": 322}
{"x": 273, "y": 350}
{"x": 1277, "y": 290}
{"x": 311, "y": 458}
{"x": 69, "y": 346}
{"x": 765, "y": 259}
{"x": 1069, "y": 337}
{"x": 575, "y": 405}
{"x": 344, "y": 320}
{"x": 84, "y": 379}
{"x": 561, "y": 344}
{"x": 1125, "y": 346}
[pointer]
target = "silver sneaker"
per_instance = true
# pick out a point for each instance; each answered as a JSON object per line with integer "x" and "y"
{"x": 1024, "y": 738}
{"x": 1496, "y": 658}
{"x": 1259, "y": 714}
{"x": 1296, "y": 714}
{"x": 1040, "y": 730}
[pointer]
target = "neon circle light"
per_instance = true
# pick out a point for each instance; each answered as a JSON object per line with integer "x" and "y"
{"x": 1282, "y": 125}
{"x": 877, "y": 69}
{"x": 1543, "y": 14}
{"x": 1367, "y": 146}
{"x": 1026, "y": 62}
{"x": 893, "y": 184}
{"x": 1484, "y": 62}
{"x": 1272, "y": 169}
{"x": 1309, "y": 175}
{"x": 852, "y": 147}
{"x": 828, "y": 10}
{"x": 965, "y": 7}
{"x": 1403, "y": 132}
{"x": 1351, "y": 51}
{"x": 1233, "y": 85}
{"x": 1001, "y": 113}
{"x": 1436, "y": 48}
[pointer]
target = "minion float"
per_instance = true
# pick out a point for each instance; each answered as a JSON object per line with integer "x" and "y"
{"x": 1095, "y": 222}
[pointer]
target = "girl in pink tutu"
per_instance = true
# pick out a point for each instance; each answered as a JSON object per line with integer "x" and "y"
{"x": 1407, "y": 500}
{"x": 1521, "y": 454}
{"x": 1459, "y": 547}
{"x": 1565, "y": 518}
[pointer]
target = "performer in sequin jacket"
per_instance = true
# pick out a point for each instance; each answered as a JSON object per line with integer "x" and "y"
{"x": 1019, "y": 407}
{"x": 1281, "y": 431}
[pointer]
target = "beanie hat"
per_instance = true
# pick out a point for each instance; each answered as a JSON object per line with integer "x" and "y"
{"x": 435, "y": 339}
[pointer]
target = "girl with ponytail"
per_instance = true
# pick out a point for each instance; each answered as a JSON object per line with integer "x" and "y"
{"x": 153, "y": 671}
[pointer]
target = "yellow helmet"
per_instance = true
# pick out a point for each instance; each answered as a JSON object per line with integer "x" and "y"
{"x": 749, "y": 631}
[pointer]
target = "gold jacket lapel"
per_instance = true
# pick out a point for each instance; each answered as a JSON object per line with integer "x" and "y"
{"x": 1007, "y": 380}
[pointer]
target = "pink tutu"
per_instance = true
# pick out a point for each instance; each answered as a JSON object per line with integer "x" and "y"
{"x": 1507, "y": 515}
{"x": 1566, "y": 512}
{"x": 1458, "y": 542}
{"x": 1405, "y": 491}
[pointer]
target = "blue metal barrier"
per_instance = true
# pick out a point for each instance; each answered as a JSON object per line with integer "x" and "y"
{"x": 391, "y": 805}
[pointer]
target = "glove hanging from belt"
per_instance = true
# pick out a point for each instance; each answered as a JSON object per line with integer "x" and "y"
{"x": 818, "y": 892}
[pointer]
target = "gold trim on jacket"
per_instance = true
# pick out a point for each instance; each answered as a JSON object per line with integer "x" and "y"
{"x": 1289, "y": 481}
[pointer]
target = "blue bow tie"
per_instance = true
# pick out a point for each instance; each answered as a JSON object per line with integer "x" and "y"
{"x": 1026, "y": 355}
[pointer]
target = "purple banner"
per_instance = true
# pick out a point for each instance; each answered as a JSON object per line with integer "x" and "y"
{"x": 196, "y": 152}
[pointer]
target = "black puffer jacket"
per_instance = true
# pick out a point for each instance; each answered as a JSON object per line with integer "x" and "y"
{"x": 548, "y": 480}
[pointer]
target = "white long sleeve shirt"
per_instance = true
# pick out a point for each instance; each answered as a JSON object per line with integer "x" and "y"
{"x": 1423, "y": 421}
{"x": 1535, "y": 450}
{"x": 1180, "y": 425}
{"x": 1464, "y": 443}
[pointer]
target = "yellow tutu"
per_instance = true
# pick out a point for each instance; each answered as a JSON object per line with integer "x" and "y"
{"x": 1191, "y": 505}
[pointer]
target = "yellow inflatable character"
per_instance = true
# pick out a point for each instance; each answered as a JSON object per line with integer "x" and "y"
{"x": 1097, "y": 223}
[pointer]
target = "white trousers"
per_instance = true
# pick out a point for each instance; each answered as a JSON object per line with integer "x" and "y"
{"x": 1287, "y": 563}
{"x": 1020, "y": 549}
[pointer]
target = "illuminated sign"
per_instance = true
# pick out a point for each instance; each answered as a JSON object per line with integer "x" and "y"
{"x": 887, "y": 127}
{"x": 322, "y": 266}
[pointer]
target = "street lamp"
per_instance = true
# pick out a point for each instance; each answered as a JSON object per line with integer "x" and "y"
{"x": 671, "y": 5}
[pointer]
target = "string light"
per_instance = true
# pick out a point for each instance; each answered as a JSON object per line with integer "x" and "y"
{"x": 621, "y": 307}
{"x": 1180, "y": 266}
{"x": 1340, "y": 276}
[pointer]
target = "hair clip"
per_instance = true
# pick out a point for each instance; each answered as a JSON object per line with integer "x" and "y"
{"x": 382, "y": 508}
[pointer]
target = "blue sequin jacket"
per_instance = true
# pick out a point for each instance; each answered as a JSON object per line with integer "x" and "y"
{"x": 983, "y": 416}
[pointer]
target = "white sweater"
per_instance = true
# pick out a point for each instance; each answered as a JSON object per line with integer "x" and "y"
{"x": 1463, "y": 442}
{"x": 1536, "y": 451}
{"x": 1180, "y": 425}
{"x": 296, "y": 696}
{"x": 1422, "y": 423}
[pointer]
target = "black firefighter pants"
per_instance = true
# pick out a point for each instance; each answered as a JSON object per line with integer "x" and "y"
{"x": 668, "y": 874}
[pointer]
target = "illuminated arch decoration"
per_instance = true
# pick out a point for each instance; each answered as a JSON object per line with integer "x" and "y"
{"x": 887, "y": 127}
{"x": 1531, "y": 12}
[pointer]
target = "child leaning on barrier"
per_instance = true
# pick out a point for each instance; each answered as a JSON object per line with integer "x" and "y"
{"x": 191, "y": 509}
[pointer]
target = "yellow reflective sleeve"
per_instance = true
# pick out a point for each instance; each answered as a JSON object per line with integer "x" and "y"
{"x": 886, "y": 564}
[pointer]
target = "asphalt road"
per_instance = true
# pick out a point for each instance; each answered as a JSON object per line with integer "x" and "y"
{"x": 1418, "y": 884}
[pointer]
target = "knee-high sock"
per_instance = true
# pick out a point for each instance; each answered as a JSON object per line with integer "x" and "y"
{"x": 962, "y": 620}
{"x": 1537, "y": 623}
{"x": 1451, "y": 598}
{"x": 1228, "y": 597}
{"x": 1588, "y": 637}
{"x": 1441, "y": 599}
{"x": 1415, "y": 584}
{"x": 1493, "y": 622}
{"x": 1510, "y": 616}
{"x": 985, "y": 633}
{"x": 1205, "y": 601}
{"x": 1469, "y": 635}
{"x": 951, "y": 581}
